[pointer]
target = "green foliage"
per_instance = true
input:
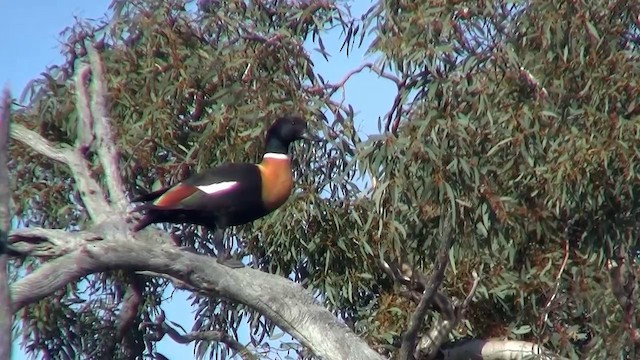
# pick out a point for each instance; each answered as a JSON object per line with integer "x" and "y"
{"x": 517, "y": 121}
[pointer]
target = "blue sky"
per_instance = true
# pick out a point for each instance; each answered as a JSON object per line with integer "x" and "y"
{"x": 31, "y": 42}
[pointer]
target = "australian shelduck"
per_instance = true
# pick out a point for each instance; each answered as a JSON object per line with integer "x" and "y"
{"x": 232, "y": 193}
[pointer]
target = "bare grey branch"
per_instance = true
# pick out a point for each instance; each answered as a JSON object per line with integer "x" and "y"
{"x": 107, "y": 150}
{"x": 40, "y": 144}
{"x": 288, "y": 305}
{"x": 90, "y": 192}
{"x": 48, "y": 242}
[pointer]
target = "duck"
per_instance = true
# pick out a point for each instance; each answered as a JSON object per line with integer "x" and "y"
{"x": 230, "y": 194}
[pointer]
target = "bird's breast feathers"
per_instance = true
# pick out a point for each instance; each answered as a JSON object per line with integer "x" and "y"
{"x": 277, "y": 182}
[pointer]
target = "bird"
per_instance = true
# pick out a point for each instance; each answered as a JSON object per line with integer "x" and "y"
{"x": 232, "y": 193}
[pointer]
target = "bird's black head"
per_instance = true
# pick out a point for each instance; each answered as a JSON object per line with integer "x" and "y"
{"x": 286, "y": 130}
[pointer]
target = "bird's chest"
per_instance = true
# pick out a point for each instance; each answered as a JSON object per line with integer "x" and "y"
{"x": 277, "y": 182}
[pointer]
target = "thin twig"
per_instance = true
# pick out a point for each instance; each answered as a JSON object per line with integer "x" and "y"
{"x": 565, "y": 259}
{"x": 415, "y": 322}
{"x": 164, "y": 329}
{"x": 5, "y": 300}
{"x": 336, "y": 86}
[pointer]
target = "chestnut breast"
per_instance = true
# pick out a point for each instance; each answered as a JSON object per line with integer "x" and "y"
{"x": 277, "y": 180}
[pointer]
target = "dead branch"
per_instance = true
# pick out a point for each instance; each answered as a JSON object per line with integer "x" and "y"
{"x": 5, "y": 222}
{"x": 340, "y": 84}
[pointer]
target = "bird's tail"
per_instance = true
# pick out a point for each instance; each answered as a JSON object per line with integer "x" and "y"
{"x": 150, "y": 196}
{"x": 151, "y": 216}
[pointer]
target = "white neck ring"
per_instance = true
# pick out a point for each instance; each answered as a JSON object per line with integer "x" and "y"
{"x": 277, "y": 156}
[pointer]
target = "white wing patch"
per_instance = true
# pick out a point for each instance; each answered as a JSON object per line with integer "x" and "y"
{"x": 217, "y": 187}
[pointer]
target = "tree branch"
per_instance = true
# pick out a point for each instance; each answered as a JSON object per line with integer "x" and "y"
{"x": 40, "y": 144}
{"x": 625, "y": 289}
{"x": 335, "y": 87}
{"x": 413, "y": 284}
{"x": 48, "y": 242}
{"x": 90, "y": 192}
{"x": 5, "y": 222}
{"x": 107, "y": 151}
{"x": 85, "y": 137}
{"x": 428, "y": 346}
{"x": 163, "y": 329}
{"x": 415, "y": 322}
{"x": 288, "y": 305}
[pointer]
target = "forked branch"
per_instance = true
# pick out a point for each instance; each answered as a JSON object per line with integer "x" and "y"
{"x": 415, "y": 322}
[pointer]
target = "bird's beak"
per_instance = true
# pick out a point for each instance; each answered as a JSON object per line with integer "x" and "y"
{"x": 311, "y": 137}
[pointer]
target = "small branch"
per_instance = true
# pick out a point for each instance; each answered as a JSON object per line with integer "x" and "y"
{"x": 106, "y": 149}
{"x": 565, "y": 259}
{"x": 415, "y": 322}
{"x": 130, "y": 303}
{"x": 625, "y": 287}
{"x": 335, "y": 87}
{"x": 413, "y": 284}
{"x": 427, "y": 347}
{"x": 90, "y": 192}
{"x": 218, "y": 336}
{"x": 40, "y": 144}
{"x": 5, "y": 222}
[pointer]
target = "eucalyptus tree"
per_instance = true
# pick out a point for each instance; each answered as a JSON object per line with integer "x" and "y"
{"x": 494, "y": 214}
